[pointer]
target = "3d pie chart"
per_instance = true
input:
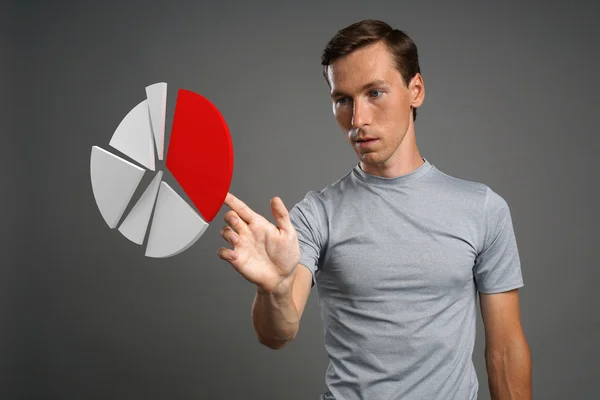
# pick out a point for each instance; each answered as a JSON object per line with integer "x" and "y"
{"x": 199, "y": 156}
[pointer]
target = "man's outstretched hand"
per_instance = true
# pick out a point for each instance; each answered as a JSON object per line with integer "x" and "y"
{"x": 263, "y": 253}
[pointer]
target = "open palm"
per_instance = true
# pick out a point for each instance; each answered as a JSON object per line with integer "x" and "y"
{"x": 263, "y": 253}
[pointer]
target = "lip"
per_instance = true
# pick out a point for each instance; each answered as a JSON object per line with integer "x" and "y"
{"x": 366, "y": 142}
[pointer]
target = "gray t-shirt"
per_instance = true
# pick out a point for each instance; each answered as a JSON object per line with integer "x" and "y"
{"x": 397, "y": 263}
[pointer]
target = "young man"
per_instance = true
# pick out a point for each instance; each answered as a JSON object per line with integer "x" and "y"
{"x": 398, "y": 249}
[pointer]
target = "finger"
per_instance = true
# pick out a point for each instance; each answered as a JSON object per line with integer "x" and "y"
{"x": 229, "y": 235}
{"x": 226, "y": 254}
{"x": 236, "y": 223}
{"x": 240, "y": 208}
{"x": 232, "y": 257}
{"x": 281, "y": 214}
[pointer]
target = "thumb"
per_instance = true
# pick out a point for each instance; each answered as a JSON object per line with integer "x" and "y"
{"x": 281, "y": 214}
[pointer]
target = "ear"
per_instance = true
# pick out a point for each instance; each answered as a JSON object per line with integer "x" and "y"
{"x": 417, "y": 90}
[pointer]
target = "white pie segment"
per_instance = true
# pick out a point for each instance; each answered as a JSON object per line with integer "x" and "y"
{"x": 175, "y": 225}
{"x": 134, "y": 138}
{"x": 136, "y": 223}
{"x": 157, "y": 104}
{"x": 114, "y": 181}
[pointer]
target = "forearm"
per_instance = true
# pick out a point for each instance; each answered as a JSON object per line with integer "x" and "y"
{"x": 275, "y": 317}
{"x": 509, "y": 371}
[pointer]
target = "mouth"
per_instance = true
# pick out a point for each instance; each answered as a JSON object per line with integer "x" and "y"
{"x": 366, "y": 142}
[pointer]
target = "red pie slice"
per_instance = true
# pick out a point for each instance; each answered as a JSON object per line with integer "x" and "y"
{"x": 200, "y": 154}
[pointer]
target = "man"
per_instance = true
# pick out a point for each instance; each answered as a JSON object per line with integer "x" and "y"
{"x": 398, "y": 249}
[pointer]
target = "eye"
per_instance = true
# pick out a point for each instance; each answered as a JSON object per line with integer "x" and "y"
{"x": 375, "y": 93}
{"x": 342, "y": 100}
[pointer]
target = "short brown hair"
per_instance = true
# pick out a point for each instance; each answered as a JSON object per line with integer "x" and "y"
{"x": 370, "y": 31}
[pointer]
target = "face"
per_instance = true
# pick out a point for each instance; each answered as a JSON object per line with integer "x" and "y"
{"x": 371, "y": 103}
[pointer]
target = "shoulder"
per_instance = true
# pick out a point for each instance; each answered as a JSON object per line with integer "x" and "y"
{"x": 454, "y": 184}
{"x": 472, "y": 195}
{"x": 468, "y": 195}
{"x": 321, "y": 200}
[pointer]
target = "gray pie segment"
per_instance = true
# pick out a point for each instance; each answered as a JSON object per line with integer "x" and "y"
{"x": 175, "y": 225}
{"x": 114, "y": 180}
{"x": 134, "y": 138}
{"x": 157, "y": 106}
{"x": 136, "y": 223}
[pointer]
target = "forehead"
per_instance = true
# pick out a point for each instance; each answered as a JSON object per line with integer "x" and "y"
{"x": 370, "y": 63}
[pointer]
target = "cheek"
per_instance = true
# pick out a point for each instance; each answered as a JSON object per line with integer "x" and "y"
{"x": 342, "y": 117}
{"x": 384, "y": 116}
{"x": 392, "y": 123}
{"x": 396, "y": 112}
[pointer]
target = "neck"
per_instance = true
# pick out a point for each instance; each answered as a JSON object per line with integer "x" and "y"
{"x": 405, "y": 159}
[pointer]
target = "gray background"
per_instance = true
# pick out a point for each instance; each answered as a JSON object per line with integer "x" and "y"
{"x": 511, "y": 96}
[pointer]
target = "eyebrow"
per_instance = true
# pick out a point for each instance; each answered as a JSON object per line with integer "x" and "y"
{"x": 369, "y": 85}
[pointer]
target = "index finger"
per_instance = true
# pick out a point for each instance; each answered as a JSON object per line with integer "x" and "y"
{"x": 240, "y": 208}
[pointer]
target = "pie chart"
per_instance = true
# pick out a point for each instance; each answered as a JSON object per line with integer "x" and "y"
{"x": 199, "y": 157}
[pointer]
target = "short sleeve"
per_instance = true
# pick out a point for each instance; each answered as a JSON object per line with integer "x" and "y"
{"x": 497, "y": 266}
{"x": 306, "y": 219}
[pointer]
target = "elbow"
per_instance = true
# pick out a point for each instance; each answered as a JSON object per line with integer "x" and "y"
{"x": 275, "y": 344}
{"x": 513, "y": 358}
{"x": 515, "y": 348}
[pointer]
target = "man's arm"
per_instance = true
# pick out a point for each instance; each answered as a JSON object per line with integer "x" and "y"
{"x": 507, "y": 355}
{"x": 276, "y": 315}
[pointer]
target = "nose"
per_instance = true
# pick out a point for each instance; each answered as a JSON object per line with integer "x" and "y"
{"x": 360, "y": 115}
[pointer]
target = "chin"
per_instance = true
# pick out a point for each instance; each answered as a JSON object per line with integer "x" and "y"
{"x": 373, "y": 158}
